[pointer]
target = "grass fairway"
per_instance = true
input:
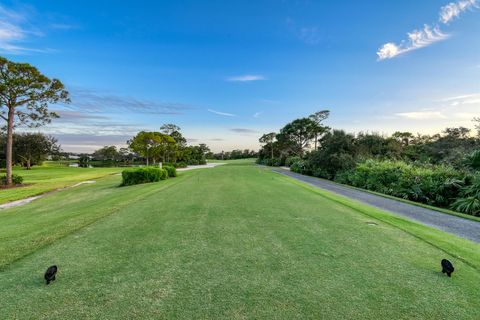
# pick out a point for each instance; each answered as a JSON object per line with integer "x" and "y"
{"x": 232, "y": 242}
{"x": 47, "y": 178}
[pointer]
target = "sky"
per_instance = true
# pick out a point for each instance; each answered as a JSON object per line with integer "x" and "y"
{"x": 228, "y": 71}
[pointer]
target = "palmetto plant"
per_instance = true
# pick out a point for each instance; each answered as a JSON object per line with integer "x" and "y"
{"x": 473, "y": 160}
{"x": 469, "y": 202}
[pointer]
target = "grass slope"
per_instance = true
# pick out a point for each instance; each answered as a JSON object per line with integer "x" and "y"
{"x": 235, "y": 241}
{"x": 47, "y": 178}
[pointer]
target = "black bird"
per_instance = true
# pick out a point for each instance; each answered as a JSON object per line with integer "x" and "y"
{"x": 50, "y": 274}
{"x": 447, "y": 267}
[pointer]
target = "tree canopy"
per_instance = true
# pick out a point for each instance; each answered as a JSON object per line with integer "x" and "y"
{"x": 25, "y": 95}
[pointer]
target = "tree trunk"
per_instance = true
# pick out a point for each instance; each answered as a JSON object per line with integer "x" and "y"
{"x": 28, "y": 164}
{"x": 316, "y": 139}
{"x": 9, "y": 151}
{"x": 272, "y": 150}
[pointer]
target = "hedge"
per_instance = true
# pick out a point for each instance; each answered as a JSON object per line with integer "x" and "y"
{"x": 172, "y": 172}
{"x": 143, "y": 175}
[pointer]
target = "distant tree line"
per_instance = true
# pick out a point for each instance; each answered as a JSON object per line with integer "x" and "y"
{"x": 151, "y": 147}
{"x": 233, "y": 155}
{"x": 439, "y": 169}
{"x": 30, "y": 149}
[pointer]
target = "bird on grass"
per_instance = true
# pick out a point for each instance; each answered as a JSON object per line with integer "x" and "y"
{"x": 50, "y": 274}
{"x": 447, "y": 267}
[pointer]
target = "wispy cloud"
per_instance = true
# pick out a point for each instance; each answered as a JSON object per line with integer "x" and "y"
{"x": 94, "y": 119}
{"x": 428, "y": 34}
{"x": 23, "y": 24}
{"x": 86, "y": 100}
{"x": 454, "y": 9}
{"x": 416, "y": 39}
{"x": 225, "y": 114}
{"x": 14, "y": 30}
{"x": 257, "y": 114}
{"x": 467, "y": 99}
{"x": 421, "y": 115}
{"x": 246, "y": 78}
{"x": 88, "y": 143}
{"x": 243, "y": 130}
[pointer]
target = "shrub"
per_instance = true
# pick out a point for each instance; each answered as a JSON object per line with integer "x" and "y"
{"x": 291, "y": 160}
{"x": 300, "y": 166}
{"x": 469, "y": 199}
{"x": 143, "y": 175}
{"x": 327, "y": 163}
{"x": 431, "y": 184}
{"x": 180, "y": 164}
{"x": 172, "y": 172}
{"x": 193, "y": 162}
{"x": 473, "y": 160}
{"x": 15, "y": 178}
{"x": 164, "y": 174}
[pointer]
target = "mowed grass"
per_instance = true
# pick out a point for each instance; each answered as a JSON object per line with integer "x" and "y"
{"x": 42, "y": 179}
{"x": 232, "y": 242}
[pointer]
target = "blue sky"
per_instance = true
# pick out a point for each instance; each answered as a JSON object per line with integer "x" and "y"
{"x": 228, "y": 71}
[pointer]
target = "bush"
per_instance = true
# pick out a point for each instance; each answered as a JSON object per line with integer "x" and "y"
{"x": 291, "y": 160}
{"x": 431, "y": 184}
{"x": 473, "y": 160}
{"x": 275, "y": 162}
{"x": 469, "y": 200}
{"x": 143, "y": 175}
{"x": 15, "y": 178}
{"x": 193, "y": 162}
{"x": 180, "y": 164}
{"x": 300, "y": 166}
{"x": 172, "y": 172}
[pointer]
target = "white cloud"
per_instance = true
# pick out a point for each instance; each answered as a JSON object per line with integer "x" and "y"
{"x": 257, "y": 114}
{"x": 14, "y": 30}
{"x": 246, "y": 78}
{"x": 222, "y": 113}
{"x": 454, "y": 9}
{"x": 467, "y": 99}
{"x": 421, "y": 115}
{"x": 416, "y": 39}
{"x": 429, "y": 34}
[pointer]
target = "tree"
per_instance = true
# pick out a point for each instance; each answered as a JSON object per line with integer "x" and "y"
{"x": 337, "y": 152}
{"x": 300, "y": 132}
{"x": 457, "y": 133}
{"x": 477, "y": 125}
{"x": 25, "y": 94}
{"x": 174, "y": 131}
{"x": 152, "y": 145}
{"x": 268, "y": 140}
{"x": 31, "y": 148}
{"x": 106, "y": 153}
{"x": 165, "y": 147}
{"x": 403, "y": 137}
{"x": 143, "y": 142}
{"x": 318, "y": 128}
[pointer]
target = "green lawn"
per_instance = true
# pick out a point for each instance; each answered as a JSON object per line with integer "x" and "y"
{"x": 47, "y": 178}
{"x": 236, "y": 241}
